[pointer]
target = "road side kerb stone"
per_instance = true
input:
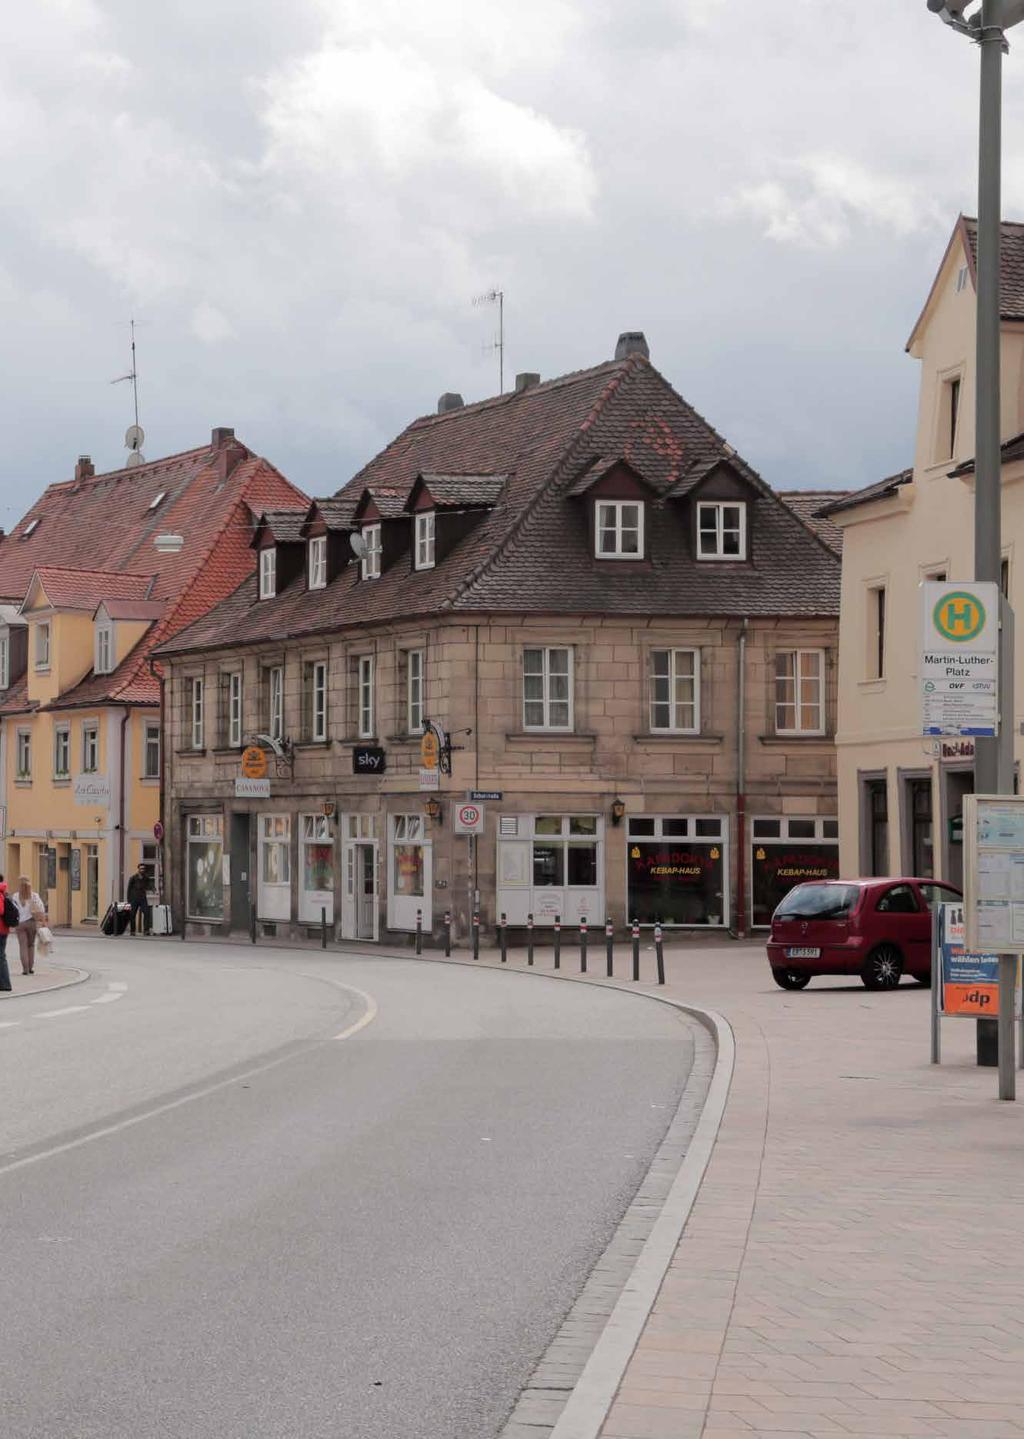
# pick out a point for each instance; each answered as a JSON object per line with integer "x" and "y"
{"x": 52, "y": 976}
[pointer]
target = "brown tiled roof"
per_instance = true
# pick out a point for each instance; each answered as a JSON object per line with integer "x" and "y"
{"x": 337, "y": 512}
{"x": 464, "y": 491}
{"x": 880, "y": 490}
{"x": 1011, "y": 265}
{"x": 530, "y": 552}
{"x": 389, "y": 499}
{"x": 132, "y": 609}
{"x": 15, "y": 701}
{"x": 285, "y": 525}
{"x": 85, "y": 589}
{"x": 808, "y": 504}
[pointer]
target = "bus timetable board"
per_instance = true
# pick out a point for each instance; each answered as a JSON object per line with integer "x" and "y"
{"x": 994, "y": 872}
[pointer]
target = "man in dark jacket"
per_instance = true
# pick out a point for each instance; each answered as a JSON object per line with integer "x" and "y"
{"x": 139, "y": 901}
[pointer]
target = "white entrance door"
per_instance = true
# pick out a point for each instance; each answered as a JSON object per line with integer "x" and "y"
{"x": 359, "y": 898}
{"x": 410, "y": 878}
{"x": 274, "y": 890}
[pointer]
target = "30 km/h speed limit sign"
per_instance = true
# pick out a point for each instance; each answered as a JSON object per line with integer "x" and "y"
{"x": 469, "y": 819}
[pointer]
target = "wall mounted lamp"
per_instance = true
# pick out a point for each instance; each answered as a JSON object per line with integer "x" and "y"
{"x": 434, "y": 810}
{"x": 618, "y": 810}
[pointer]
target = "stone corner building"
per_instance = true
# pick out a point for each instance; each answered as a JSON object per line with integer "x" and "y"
{"x": 627, "y": 635}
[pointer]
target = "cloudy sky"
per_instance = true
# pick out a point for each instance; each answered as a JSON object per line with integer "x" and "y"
{"x": 299, "y": 201}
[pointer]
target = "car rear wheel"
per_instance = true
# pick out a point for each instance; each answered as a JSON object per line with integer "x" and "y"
{"x": 883, "y": 968}
{"x": 791, "y": 978}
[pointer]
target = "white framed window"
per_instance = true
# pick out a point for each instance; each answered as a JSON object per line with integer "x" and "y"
{"x": 414, "y": 691}
{"x": 151, "y": 750}
{"x": 104, "y": 649}
{"x": 276, "y": 848}
{"x": 43, "y": 645}
{"x": 366, "y": 705}
{"x": 675, "y": 691}
{"x": 371, "y": 554}
{"x": 275, "y": 702}
{"x": 5, "y": 660}
{"x": 424, "y": 552}
{"x": 318, "y": 700}
{"x": 205, "y": 863}
{"x": 317, "y": 562}
{"x": 547, "y": 688}
{"x": 196, "y": 699}
{"x": 62, "y": 752}
{"x": 721, "y": 530}
{"x": 619, "y": 529}
{"x": 90, "y": 748}
{"x": 24, "y": 754}
{"x": 268, "y": 573}
{"x": 800, "y": 692}
{"x": 235, "y": 709}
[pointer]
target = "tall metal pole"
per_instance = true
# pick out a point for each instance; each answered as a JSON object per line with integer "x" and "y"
{"x": 993, "y": 769}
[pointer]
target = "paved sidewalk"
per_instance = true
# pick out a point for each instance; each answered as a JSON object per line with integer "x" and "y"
{"x": 42, "y": 978}
{"x": 854, "y": 1264}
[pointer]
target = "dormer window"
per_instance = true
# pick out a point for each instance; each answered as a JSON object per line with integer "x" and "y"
{"x": 721, "y": 530}
{"x": 371, "y": 553}
{"x": 268, "y": 573}
{"x": 423, "y": 555}
{"x": 43, "y": 645}
{"x": 317, "y": 563}
{"x": 619, "y": 529}
{"x": 104, "y": 649}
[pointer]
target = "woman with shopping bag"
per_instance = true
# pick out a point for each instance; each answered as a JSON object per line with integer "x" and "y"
{"x": 31, "y": 914}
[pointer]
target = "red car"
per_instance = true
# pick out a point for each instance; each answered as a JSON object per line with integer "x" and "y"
{"x": 877, "y": 928}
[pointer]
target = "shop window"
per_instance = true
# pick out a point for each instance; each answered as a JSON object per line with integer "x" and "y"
{"x": 424, "y": 541}
{"x": 205, "y": 866}
{"x": 275, "y": 849}
{"x": 800, "y": 692}
{"x": 675, "y": 685}
{"x": 721, "y": 530}
{"x": 619, "y": 530}
{"x": 407, "y": 857}
{"x": 787, "y": 852}
{"x": 676, "y": 870}
{"x": 547, "y": 689}
{"x": 90, "y": 749}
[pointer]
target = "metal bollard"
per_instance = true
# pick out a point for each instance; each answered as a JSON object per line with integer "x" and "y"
{"x": 503, "y": 938}
{"x": 558, "y": 941}
{"x": 476, "y": 935}
{"x": 659, "y": 951}
{"x": 447, "y": 934}
{"x": 609, "y": 941}
{"x": 636, "y": 951}
{"x": 323, "y": 926}
{"x": 583, "y": 944}
{"x": 252, "y": 924}
{"x": 529, "y": 939}
{"x": 419, "y": 931}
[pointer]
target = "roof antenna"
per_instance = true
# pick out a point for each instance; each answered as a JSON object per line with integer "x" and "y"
{"x": 497, "y": 297}
{"x": 135, "y": 434}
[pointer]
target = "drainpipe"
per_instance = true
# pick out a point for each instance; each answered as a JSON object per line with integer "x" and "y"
{"x": 121, "y": 807}
{"x": 741, "y": 783}
{"x": 162, "y": 851}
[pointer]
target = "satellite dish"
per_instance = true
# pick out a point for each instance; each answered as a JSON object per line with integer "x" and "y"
{"x": 135, "y": 458}
{"x": 133, "y": 437}
{"x": 358, "y": 544}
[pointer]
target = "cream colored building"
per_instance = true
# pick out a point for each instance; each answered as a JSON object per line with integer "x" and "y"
{"x": 899, "y": 793}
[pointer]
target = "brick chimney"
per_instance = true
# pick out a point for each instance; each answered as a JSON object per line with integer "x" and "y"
{"x": 449, "y": 401}
{"x": 227, "y": 451}
{"x": 84, "y": 469}
{"x": 632, "y": 342}
{"x": 526, "y": 381}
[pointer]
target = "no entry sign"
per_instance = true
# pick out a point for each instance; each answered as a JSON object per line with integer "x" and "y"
{"x": 469, "y": 819}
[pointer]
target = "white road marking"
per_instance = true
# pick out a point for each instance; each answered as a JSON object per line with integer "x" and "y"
{"x": 10, "y": 1024}
{"x": 173, "y": 1104}
{"x": 119, "y": 986}
{"x": 107, "y": 998}
{"x": 55, "y": 1013}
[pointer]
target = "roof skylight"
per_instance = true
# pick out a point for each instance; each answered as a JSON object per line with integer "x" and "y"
{"x": 154, "y": 504}
{"x": 28, "y": 529}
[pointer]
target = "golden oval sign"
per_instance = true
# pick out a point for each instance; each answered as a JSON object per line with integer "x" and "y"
{"x": 254, "y": 762}
{"x": 430, "y": 750}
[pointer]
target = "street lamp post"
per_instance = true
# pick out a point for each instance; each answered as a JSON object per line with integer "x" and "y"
{"x": 993, "y": 768}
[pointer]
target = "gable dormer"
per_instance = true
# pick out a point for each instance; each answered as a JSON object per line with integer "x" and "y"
{"x": 280, "y": 551}
{"x": 118, "y": 625}
{"x": 379, "y": 517}
{"x": 720, "y": 500}
{"x": 618, "y": 500}
{"x": 13, "y": 647}
{"x": 444, "y": 508}
{"x": 326, "y": 532}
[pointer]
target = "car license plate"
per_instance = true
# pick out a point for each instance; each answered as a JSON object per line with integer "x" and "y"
{"x": 803, "y": 953}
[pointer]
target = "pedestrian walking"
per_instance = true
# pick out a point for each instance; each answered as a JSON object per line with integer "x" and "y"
{"x": 5, "y": 973}
{"x": 138, "y": 898}
{"x": 31, "y": 914}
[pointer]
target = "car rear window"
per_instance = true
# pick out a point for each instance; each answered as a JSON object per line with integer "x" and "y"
{"x": 819, "y": 901}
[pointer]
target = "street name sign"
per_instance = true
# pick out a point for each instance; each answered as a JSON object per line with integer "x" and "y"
{"x": 959, "y": 669}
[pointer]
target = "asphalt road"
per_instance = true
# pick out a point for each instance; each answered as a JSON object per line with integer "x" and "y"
{"x": 220, "y": 1220}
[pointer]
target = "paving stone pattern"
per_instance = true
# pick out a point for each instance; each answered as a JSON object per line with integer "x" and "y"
{"x": 854, "y": 1263}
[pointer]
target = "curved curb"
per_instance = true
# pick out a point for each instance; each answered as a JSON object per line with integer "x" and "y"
{"x": 593, "y": 1394}
{"x": 75, "y": 976}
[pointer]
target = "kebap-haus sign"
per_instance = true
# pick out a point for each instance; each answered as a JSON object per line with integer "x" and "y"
{"x": 959, "y": 672}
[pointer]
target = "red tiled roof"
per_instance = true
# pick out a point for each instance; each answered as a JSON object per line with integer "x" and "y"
{"x": 132, "y": 609}
{"x": 210, "y": 497}
{"x": 85, "y": 589}
{"x": 808, "y": 503}
{"x": 530, "y": 552}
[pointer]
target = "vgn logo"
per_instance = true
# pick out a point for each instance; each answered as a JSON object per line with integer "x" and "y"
{"x": 959, "y": 616}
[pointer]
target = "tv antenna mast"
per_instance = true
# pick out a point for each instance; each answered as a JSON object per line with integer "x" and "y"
{"x": 497, "y": 297}
{"x": 134, "y": 435}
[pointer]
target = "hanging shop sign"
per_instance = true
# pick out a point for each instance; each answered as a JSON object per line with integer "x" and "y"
{"x": 430, "y": 779}
{"x": 254, "y": 762}
{"x": 251, "y": 788}
{"x": 959, "y": 669}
